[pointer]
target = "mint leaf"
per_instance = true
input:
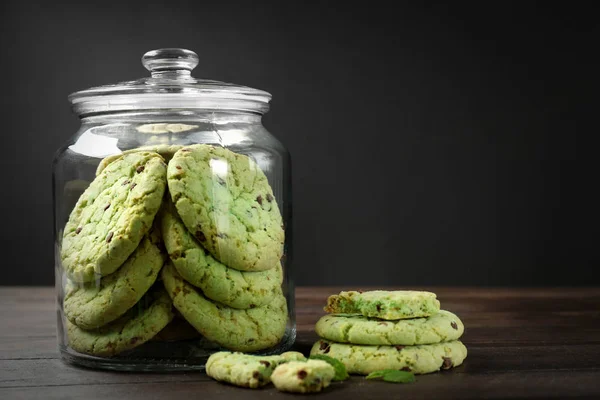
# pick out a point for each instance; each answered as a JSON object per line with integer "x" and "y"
{"x": 393, "y": 375}
{"x": 340, "y": 369}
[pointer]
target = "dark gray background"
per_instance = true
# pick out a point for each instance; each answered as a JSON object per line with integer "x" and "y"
{"x": 439, "y": 144}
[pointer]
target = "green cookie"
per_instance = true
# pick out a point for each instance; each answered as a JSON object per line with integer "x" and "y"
{"x": 389, "y": 305}
{"x": 229, "y": 286}
{"x": 112, "y": 216}
{"x": 357, "y": 329}
{"x": 246, "y": 370}
{"x": 225, "y": 200}
{"x": 239, "y": 330}
{"x": 422, "y": 359}
{"x": 92, "y": 305}
{"x": 136, "y": 327}
{"x": 165, "y": 150}
{"x": 309, "y": 376}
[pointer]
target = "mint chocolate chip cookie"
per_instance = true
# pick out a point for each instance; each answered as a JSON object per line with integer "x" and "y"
{"x": 240, "y": 330}
{"x": 246, "y": 370}
{"x": 140, "y": 324}
{"x": 443, "y": 326}
{"x": 92, "y": 305}
{"x": 165, "y": 150}
{"x": 225, "y": 201}
{"x": 421, "y": 359}
{"x": 389, "y": 305}
{"x": 303, "y": 376}
{"x": 112, "y": 216}
{"x": 218, "y": 282}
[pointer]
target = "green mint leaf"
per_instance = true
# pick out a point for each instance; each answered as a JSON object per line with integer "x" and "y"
{"x": 393, "y": 375}
{"x": 340, "y": 369}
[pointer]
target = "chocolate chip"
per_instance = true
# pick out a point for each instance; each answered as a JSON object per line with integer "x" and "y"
{"x": 378, "y": 307}
{"x": 302, "y": 374}
{"x": 265, "y": 363}
{"x": 252, "y": 305}
{"x": 323, "y": 346}
{"x": 447, "y": 364}
{"x": 127, "y": 182}
{"x": 106, "y": 207}
{"x": 109, "y": 237}
{"x": 399, "y": 347}
{"x": 405, "y": 369}
{"x": 259, "y": 199}
{"x": 139, "y": 169}
{"x": 186, "y": 150}
{"x": 178, "y": 167}
{"x": 327, "y": 350}
{"x": 133, "y": 185}
{"x": 200, "y": 236}
{"x": 269, "y": 197}
{"x": 134, "y": 340}
{"x": 78, "y": 230}
{"x": 453, "y": 325}
{"x": 256, "y": 374}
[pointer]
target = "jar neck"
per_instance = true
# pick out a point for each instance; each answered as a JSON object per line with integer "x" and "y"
{"x": 209, "y": 116}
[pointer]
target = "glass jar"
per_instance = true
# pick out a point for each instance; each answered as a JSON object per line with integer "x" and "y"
{"x": 172, "y": 223}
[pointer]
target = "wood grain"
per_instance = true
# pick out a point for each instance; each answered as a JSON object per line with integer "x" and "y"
{"x": 523, "y": 343}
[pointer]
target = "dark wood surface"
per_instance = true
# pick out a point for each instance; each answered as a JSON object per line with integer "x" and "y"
{"x": 523, "y": 343}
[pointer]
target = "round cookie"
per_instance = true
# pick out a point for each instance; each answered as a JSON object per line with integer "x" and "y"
{"x": 92, "y": 305}
{"x": 246, "y": 370}
{"x": 136, "y": 327}
{"x": 309, "y": 376}
{"x": 165, "y": 150}
{"x": 421, "y": 359}
{"x": 225, "y": 200}
{"x": 218, "y": 282}
{"x": 112, "y": 216}
{"x": 389, "y": 305}
{"x": 240, "y": 330}
{"x": 443, "y": 326}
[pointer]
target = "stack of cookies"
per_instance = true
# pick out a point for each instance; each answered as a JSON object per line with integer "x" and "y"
{"x": 202, "y": 233}
{"x": 402, "y": 330}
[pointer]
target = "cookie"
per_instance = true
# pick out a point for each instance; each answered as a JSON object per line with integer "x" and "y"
{"x": 218, "y": 282}
{"x": 139, "y": 325}
{"x": 303, "y": 376}
{"x": 112, "y": 216}
{"x": 239, "y": 330}
{"x": 92, "y": 305}
{"x": 246, "y": 370}
{"x": 421, "y": 359}
{"x": 225, "y": 201}
{"x": 443, "y": 326}
{"x": 165, "y": 150}
{"x": 389, "y": 305}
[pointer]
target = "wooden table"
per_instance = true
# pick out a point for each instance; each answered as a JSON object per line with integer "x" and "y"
{"x": 523, "y": 343}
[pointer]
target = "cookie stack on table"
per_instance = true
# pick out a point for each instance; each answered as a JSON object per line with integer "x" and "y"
{"x": 377, "y": 330}
{"x": 201, "y": 222}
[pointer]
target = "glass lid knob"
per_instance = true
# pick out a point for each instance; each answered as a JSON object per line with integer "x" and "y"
{"x": 170, "y": 60}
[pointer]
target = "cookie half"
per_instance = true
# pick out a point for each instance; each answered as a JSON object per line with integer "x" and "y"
{"x": 443, "y": 326}
{"x": 225, "y": 201}
{"x": 309, "y": 376}
{"x": 389, "y": 305}
{"x": 112, "y": 216}
{"x": 421, "y": 359}
{"x": 240, "y": 330}
{"x": 138, "y": 326}
{"x": 218, "y": 282}
{"x": 92, "y": 305}
{"x": 246, "y": 370}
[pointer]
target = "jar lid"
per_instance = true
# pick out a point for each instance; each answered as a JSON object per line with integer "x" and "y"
{"x": 170, "y": 86}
